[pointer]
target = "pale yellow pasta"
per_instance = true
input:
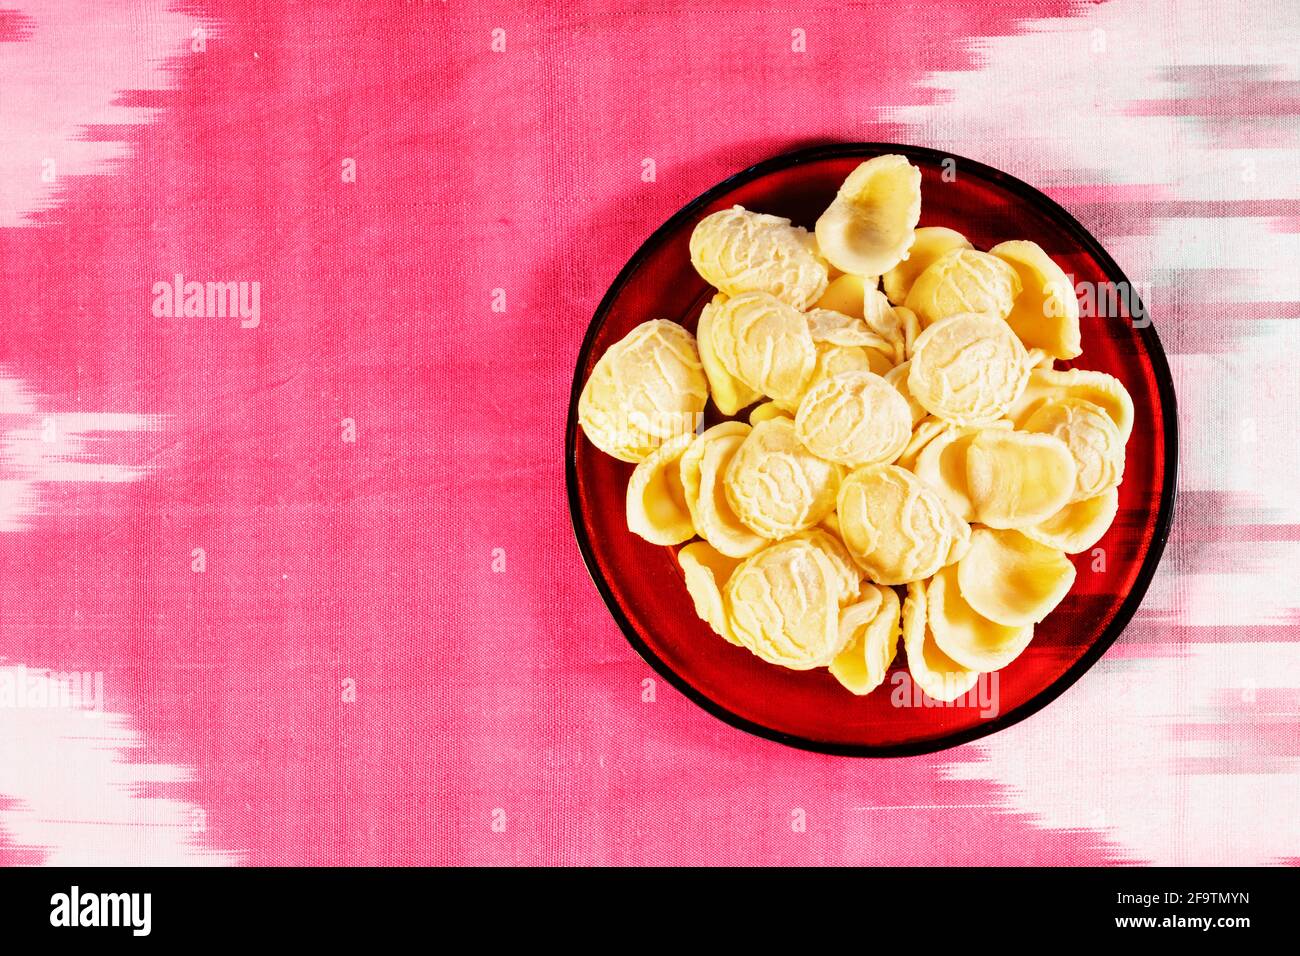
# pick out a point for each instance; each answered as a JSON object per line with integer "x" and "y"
{"x": 846, "y": 293}
{"x": 963, "y": 634}
{"x": 895, "y": 526}
{"x": 1017, "y": 478}
{"x": 775, "y": 485}
{"x": 781, "y": 605}
{"x": 930, "y": 243}
{"x": 763, "y": 412}
{"x": 703, "y": 468}
{"x": 1093, "y": 439}
{"x": 911, "y": 329}
{"x": 968, "y": 369}
{"x": 963, "y": 281}
{"x": 834, "y": 359}
{"x": 839, "y": 328}
{"x": 924, "y": 433}
{"x": 707, "y": 571}
{"x": 1046, "y": 313}
{"x": 932, "y": 670}
{"x": 897, "y": 377}
{"x": 942, "y": 465}
{"x": 738, "y": 251}
{"x": 1077, "y": 526}
{"x": 871, "y": 631}
{"x": 657, "y": 509}
{"x": 854, "y": 418}
{"x": 887, "y": 322}
{"x": 729, "y": 393}
{"x": 848, "y": 577}
{"x": 869, "y": 226}
{"x": 1012, "y": 580}
{"x": 647, "y": 388}
{"x": 764, "y": 343}
{"x": 1105, "y": 391}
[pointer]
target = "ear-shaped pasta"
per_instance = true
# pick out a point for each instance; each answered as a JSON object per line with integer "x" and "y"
{"x": 656, "y": 500}
{"x": 848, "y": 576}
{"x": 703, "y": 468}
{"x": 839, "y": 328}
{"x": 925, "y": 432}
{"x": 647, "y": 387}
{"x": 930, "y": 243}
{"x": 767, "y": 410}
{"x": 775, "y": 485}
{"x": 1012, "y": 580}
{"x": 832, "y": 360}
{"x": 1093, "y": 440}
{"x": 1046, "y": 313}
{"x": 1105, "y": 391}
{"x": 738, "y": 251}
{"x": 965, "y": 635}
{"x": 707, "y": 572}
{"x": 846, "y": 293}
{"x": 781, "y": 604}
{"x": 942, "y": 465}
{"x": 869, "y": 226}
{"x": 1016, "y": 478}
{"x": 911, "y": 330}
{"x": 1077, "y": 526}
{"x": 872, "y": 629}
{"x": 963, "y": 281}
{"x": 729, "y": 393}
{"x": 894, "y": 525}
{"x": 968, "y": 369}
{"x": 887, "y": 322}
{"x": 932, "y": 670}
{"x": 764, "y": 343}
{"x": 854, "y": 418}
{"x": 897, "y": 377}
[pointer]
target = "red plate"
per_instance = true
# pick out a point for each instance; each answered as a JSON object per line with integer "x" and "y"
{"x": 642, "y": 584}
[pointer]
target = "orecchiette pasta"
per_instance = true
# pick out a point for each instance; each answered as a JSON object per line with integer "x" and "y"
{"x": 917, "y": 437}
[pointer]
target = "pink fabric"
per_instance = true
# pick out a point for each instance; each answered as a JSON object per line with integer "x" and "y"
{"x": 388, "y": 650}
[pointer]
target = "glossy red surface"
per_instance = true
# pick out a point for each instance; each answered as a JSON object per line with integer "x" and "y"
{"x": 643, "y": 586}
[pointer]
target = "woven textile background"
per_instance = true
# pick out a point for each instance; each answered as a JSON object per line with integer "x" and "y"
{"x": 303, "y": 578}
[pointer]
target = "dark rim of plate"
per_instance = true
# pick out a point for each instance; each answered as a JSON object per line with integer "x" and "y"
{"x": 1169, "y": 425}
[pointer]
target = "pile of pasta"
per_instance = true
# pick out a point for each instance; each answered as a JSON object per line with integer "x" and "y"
{"x": 912, "y": 464}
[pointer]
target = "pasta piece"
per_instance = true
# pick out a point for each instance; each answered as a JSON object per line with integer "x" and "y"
{"x": 764, "y": 343}
{"x": 707, "y": 572}
{"x": 897, "y": 377}
{"x": 968, "y": 369}
{"x": 854, "y": 418}
{"x": 1046, "y": 313}
{"x": 930, "y": 243}
{"x": 647, "y": 387}
{"x": 872, "y": 629}
{"x": 775, "y": 485}
{"x": 963, "y": 281}
{"x": 848, "y": 577}
{"x": 942, "y": 465}
{"x": 1015, "y": 479}
{"x": 768, "y": 410}
{"x": 1093, "y": 440}
{"x": 738, "y": 251}
{"x": 894, "y": 525}
{"x": 1105, "y": 391}
{"x": 846, "y": 293}
{"x": 963, "y": 634}
{"x": 869, "y": 226}
{"x": 1077, "y": 526}
{"x": 781, "y": 604}
{"x": 1012, "y": 580}
{"x": 703, "y": 468}
{"x": 924, "y": 433}
{"x": 942, "y": 678}
{"x": 656, "y": 499}
{"x": 729, "y": 393}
